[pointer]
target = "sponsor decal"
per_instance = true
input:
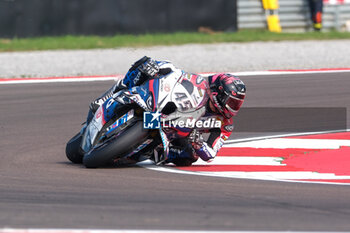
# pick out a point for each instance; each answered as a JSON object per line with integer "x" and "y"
{"x": 137, "y": 99}
{"x": 229, "y": 128}
{"x": 149, "y": 102}
{"x": 140, "y": 147}
{"x": 238, "y": 82}
{"x": 199, "y": 79}
{"x": 109, "y": 103}
{"x": 218, "y": 144}
{"x": 200, "y": 91}
{"x": 122, "y": 120}
{"x": 166, "y": 87}
{"x": 187, "y": 76}
{"x": 135, "y": 76}
{"x": 98, "y": 115}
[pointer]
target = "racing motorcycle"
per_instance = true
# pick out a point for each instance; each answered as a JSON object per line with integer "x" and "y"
{"x": 119, "y": 131}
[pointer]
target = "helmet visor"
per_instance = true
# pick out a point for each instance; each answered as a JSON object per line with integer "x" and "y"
{"x": 233, "y": 104}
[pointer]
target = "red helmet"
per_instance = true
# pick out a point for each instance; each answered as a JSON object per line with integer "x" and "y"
{"x": 227, "y": 93}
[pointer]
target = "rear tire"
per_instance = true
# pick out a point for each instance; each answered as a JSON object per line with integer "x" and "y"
{"x": 73, "y": 151}
{"x": 125, "y": 143}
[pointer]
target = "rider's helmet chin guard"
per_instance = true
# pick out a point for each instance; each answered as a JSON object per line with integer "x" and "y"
{"x": 227, "y": 93}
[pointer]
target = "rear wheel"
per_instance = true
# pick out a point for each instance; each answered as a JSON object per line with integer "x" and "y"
{"x": 125, "y": 143}
{"x": 73, "y": 151}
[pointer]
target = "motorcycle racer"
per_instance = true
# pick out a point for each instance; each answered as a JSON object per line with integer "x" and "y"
{"x": 221, "y": 96}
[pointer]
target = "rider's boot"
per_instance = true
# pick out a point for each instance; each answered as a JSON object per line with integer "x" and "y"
{"x": 181, "y": 156}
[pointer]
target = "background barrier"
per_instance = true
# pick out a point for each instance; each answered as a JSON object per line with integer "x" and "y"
{"x": 271, "y": 10}
{"x": 28, "y": 18}
{"x": 25, "y": 18}
{"x": 293, "y": 14}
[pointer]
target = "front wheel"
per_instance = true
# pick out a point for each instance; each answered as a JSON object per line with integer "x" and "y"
{"x": 125, "y": 143}
{"x": 73, "y": 151}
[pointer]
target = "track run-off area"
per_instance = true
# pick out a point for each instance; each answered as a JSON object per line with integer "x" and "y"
{"x": 241, "y": 190}
{"x": 316, "y": 158}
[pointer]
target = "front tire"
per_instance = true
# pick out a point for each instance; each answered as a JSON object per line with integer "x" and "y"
{"x": 73, "y": 151}
{"x": 125, "y": 143}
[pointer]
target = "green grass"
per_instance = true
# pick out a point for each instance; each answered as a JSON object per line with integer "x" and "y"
{"x": 92, "y": 42}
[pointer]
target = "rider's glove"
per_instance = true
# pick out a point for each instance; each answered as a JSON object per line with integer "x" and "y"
{"x": 149, "y": 67}
{"x": 140, "y": 71}
{"x": 196, "y": 139}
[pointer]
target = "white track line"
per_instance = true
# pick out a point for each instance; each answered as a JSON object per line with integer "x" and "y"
{"x": 58, "y": 80}
{"x": 290, "y": 177}
{"x": 282, "y": 143}
{"x": 282, "y": 175}
{"x": 284, "y": 135}
{"x": 260, "y": 73}
{"x": 9, "y": 230}
{"x": 227, "y": 160}
{"x": 114, "y": 77}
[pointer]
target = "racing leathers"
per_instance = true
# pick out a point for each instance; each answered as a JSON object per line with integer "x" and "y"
{"x": 187, "y": 144}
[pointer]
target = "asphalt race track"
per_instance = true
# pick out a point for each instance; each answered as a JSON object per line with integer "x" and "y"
{"x": 39, "y": 188}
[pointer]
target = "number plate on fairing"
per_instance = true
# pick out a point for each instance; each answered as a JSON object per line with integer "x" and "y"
{"x": 182, "y": 99}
